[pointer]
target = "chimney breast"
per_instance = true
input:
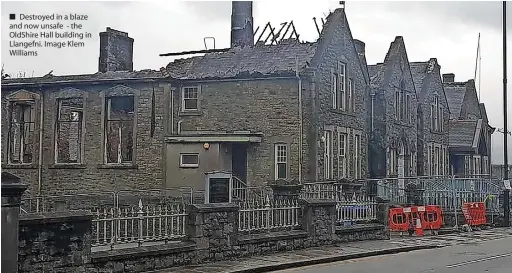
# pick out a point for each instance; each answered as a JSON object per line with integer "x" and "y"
{"x": 449, "y": 77}
{"x": 116, "y": 51}
{"x": 242, "y": 24}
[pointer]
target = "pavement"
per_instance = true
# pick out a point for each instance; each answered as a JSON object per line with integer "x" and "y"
{"x": 326, "y": 257}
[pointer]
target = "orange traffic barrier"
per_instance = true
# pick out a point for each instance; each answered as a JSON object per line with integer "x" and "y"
{"x": 418, "y": 228}
{"x": 474, "y": 213}
{"x": 431, "y": 217}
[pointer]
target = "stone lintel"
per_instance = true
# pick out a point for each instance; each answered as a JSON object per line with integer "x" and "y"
{"x": 55, "y": 217}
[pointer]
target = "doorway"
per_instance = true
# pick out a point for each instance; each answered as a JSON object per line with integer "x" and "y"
{"x": 239, "y": 161}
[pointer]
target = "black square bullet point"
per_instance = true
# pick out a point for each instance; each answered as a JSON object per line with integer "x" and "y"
{"x": 12, "y": 16}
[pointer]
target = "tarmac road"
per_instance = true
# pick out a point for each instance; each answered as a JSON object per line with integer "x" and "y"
{"x": 484, "y": 257}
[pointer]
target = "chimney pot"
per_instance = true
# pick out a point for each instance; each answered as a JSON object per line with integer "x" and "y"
{"x": 449, "y": 77}
{"x": 116, "y": 51}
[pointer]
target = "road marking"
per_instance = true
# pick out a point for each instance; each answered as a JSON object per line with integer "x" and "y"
{"x": 480, "y": 260}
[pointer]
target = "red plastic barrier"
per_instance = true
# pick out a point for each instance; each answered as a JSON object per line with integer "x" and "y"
{"x": 474, "y": 213}
{"x": 431, "y": 217}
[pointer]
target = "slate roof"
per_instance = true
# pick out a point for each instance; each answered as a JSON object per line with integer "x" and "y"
{"x": 462, "y": 133}
{"x": 455, "y": 95}
{"x": 118, "y": 75}
{"x": 258, "y": 60}
{"x": 419, "y": 72}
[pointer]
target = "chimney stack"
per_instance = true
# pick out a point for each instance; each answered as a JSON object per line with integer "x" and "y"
{"x": 242, "y": 33}
{"x": 449, "y": 77}
{"x": 116, "y": 51}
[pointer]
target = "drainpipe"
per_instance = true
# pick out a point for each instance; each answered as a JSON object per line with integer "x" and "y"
{"x": 373, "y": 103}
{"x": 300, "y": 117}
{"x": 40, "y": 157}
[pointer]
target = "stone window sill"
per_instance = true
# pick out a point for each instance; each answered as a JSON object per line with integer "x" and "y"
{"x": 19, "y": 166}
{"x": 343, "y": 112}
{"x": 190, "y": 113}
{"x": 66, "y": 166}
{"x": 437, "y": 132}
{"x": 118, "y": 166}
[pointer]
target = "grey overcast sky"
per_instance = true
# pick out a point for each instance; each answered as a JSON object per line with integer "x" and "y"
{"x": 447, "y": 31}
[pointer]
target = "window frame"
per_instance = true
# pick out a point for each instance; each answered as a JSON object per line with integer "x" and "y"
{"x": 328, "y": 155}
{"x": 334, "y": 89}
{"x": 57, "y": 122}
{"x": 357, "y": 156}
{"x": 183, "y": 99}
{"x": 277, "y": 162}
{"x": 342, "y": 157}
{"x": 342, "y": 82}
{"x": 34, "y": 103}
{"x": 189, "y": 166}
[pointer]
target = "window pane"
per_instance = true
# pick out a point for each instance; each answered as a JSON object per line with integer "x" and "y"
{"x": 120, "y": 108}
{"x": 190, "y": 103}
{"x": 281, "y": 171}
{"x": 189, "y": 159}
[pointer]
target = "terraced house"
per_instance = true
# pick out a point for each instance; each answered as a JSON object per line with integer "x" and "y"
{"x": 470, "y": 132}
{"x": 393, "y": 113}
{"x": 433, "y": 118}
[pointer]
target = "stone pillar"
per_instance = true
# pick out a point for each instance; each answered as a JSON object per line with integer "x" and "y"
{"x": 214, "y": 229}
{"x": 383, "y": 214}
{"x": 11, "y": 199}
{"x": 285, "y": 190}
{"x": 319, "y": 220}
{"x": 58, "y": 241}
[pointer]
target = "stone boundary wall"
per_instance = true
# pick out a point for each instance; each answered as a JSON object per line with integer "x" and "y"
{"x": 61, "y": 241}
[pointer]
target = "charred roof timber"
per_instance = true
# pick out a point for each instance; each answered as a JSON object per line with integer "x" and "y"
{"x": 279, "y": 36}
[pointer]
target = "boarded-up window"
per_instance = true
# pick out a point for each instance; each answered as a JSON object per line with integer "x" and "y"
{"x": 119, "y": 129}
{"x": 69, "y": 131}
{"x": 21, "y": 132}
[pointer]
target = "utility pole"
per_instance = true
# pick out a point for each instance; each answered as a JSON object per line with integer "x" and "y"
{"x": 506, "y": 192}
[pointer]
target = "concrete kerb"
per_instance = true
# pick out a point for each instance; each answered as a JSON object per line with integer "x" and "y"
{"x": 331, "y": 259}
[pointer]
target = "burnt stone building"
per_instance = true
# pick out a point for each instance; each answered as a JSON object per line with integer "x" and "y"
{"x": 288, "y": 111}
{"x": 87, "y": 133}
{"x": 470, "y": 132}
{"x": 433, "y": 119}
{"x": 393, "y": 111}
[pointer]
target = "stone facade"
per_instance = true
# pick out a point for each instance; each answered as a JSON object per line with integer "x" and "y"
{"x": 469, "y": 129}
{"x": 344, "y": 115}
{"x": 395, "y": 104}
{"x": 90, "y": 171}
{"x": 432, "y": 137}
{"x": 62, "y": 242}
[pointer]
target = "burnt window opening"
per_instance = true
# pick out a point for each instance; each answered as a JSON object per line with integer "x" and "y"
{"x": 69, "y": 130}
{"x": 21, "y": 132}
{"x": 190, "y": 98}
{"x": 153, "y": 118}
{"x": 119, "y": 125}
